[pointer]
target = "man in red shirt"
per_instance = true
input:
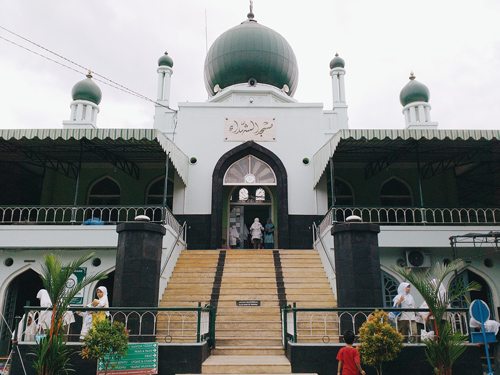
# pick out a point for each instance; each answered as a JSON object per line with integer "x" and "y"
{"x": 348, "y": 357}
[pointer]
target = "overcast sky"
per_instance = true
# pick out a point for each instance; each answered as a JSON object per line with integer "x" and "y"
{"x": 452, "y": 46}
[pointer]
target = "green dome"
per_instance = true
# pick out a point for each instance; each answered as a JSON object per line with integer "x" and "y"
{"x": 166, "y": 60}
{"x": 247, "y": 51}
{"x": 337, "y": 62}
{"x": 414, "y": 91}
{"x": 87, "y": 90}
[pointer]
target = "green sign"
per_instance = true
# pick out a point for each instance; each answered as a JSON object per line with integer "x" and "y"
{"x": 140, "y": 359}
{"x": 76, "y": 277}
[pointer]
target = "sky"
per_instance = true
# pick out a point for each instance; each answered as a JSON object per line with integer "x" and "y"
{"x": 452, "y": 46}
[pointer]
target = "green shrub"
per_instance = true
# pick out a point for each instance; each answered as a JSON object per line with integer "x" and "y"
{"x": 106, "y": 342}
{"x": 379, "y": 341}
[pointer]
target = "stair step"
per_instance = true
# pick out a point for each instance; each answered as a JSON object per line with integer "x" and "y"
{"x": 248, "y": 350}
{"x": 229, "y": 364}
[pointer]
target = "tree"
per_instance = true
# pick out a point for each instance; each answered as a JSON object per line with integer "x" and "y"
{"x": 447, "y": 346}
{"x": 379, "y": 341}
{"x": 52, "y": 355}
{"x": 106, "y": 342}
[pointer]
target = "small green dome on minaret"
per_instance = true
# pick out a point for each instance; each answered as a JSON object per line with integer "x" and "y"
{"x": 166, "y": 60}
{"x": 337, "y": 62}
{"x": 87, "y": 90}
{"x": 414, "y": 91}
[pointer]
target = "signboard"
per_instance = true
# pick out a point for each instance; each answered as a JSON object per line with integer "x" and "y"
{"x": 247, "y": 303}
{"x": 140, "y": 359}
{"x": 241, "y": 129}
{"x": 76, "y": 277}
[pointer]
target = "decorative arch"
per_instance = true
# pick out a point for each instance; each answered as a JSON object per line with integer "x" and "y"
{"x": 12, "y": 276}
{"x": 274, "y": 162}
{"x": 390, "y": 283}
{"x": 396, "y": 192}
{"x": 99, "y": 194}
{"x": 490, "y": 284}
{"x": 154, "y": 191}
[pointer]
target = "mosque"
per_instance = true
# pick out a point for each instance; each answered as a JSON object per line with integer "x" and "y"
{"x": 250, "y": 151}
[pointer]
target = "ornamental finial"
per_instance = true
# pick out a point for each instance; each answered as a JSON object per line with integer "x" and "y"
{"x": 250, "y": 15}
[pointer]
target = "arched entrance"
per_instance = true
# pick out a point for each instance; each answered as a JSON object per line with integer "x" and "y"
{"x": 21, "y": 291}
{"x": 245, "y": 204}
{"x": 264, "y": 162}
{"x": 484, "y": 294}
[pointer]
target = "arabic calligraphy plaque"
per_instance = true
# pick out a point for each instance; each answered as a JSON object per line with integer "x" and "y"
{"x": 242, "y": 129}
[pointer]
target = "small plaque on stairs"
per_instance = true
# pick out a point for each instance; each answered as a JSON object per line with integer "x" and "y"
{"x": 247, "y": 303}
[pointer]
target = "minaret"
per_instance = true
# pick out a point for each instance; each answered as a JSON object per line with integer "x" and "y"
{"x": 163, "y": 114}
{"x": 414, "y": 98}
{"x": 337, "y": 118}
{"x": 85, "y": 105}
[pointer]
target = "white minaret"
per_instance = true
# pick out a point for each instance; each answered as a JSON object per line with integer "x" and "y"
{"x": 85, "y": 105}
{"x": 414, "y": 98}
{"x": 163, "y": 114}
{"x": 337, "y": 118}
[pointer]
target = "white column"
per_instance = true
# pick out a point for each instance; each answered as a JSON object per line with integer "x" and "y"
{"x": 335, "y": 88}
{"x": 342, "y": 87}
{"x": 166, "y": 86}
{"x": 413, "y": 116}
{"x": 421, "y": 113}
{"x": 160, "y": 86}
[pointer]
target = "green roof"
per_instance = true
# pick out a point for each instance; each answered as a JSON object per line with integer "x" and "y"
{"x": 367, "y": 145}
{"x": 134, "y": 145}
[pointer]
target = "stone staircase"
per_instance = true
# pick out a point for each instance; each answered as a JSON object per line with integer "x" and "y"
{"x": 249, "y": 275}
{"x": 250, "y": 286}
{"x": 191, "y": 282}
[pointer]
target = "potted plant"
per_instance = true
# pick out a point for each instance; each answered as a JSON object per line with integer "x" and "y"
{"x": 106, "y": 342}
{"x": 52, "y": 354}
{"x": 379, "y": 342}
{"x": 447, "y": 346}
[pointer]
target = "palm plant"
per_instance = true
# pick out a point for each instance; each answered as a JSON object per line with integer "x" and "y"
{"x": 448, "y": 345}
{"x": 52, "y": 353}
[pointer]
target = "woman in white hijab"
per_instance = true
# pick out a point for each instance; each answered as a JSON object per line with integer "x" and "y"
{"x": 233, "y": 237}
{"x": 407, "y": 325}
{"x": 45, "y": 317}
{"x": 102, "y": 294}
{"x": 256, "y": 232}
{"x": 31, "y": 328}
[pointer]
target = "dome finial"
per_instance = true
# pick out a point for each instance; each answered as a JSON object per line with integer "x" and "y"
{"x": 89, "y": 74}
{"x": 251, "y": 15}
{"x": 412, "y": 76}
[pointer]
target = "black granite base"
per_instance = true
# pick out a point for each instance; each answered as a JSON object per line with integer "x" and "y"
{"x": 198, "y": 232}
{"x": 301, "y": 231}
{"x": 172, "y": 359}
{"x": 321, "y": 359}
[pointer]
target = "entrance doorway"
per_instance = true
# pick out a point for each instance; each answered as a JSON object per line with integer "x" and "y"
{"x": 21, "y": 292}
{"x": 249, "y": 165}
{"x": 484, "y": 294}
{"x": 247, "y": 203}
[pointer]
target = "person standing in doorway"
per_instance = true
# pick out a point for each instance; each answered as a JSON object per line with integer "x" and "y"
{"x": 234, "y": 237}
{"x": 269, "y": 235}
{"x": 256, "y": 232}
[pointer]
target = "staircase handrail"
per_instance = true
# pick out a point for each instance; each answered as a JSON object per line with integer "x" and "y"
{"x": 317, "y": 235}
{"x": 181, "y": 231}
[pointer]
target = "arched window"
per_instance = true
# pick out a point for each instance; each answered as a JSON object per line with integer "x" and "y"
{"x": 155, "y": 192}
{"x": 249, "y": 171}
{"x": 250, "y": 194}
{"x": 104, "y": 192}
{"x": 465, "y": 277}
{"x": 343, "y": 193}
{"x": 389, "y": 288}
{"x": 395, "y": 193}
